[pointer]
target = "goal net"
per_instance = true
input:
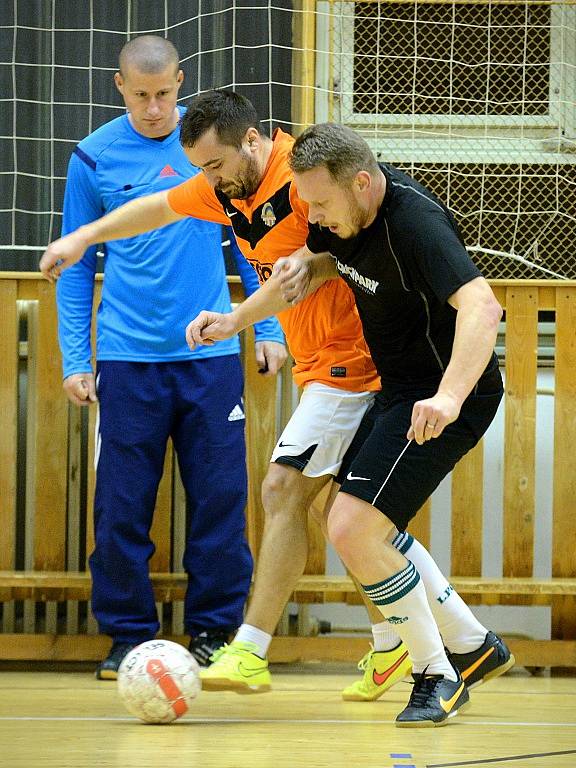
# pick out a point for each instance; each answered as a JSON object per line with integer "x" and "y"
{"x": 475, "y": 98}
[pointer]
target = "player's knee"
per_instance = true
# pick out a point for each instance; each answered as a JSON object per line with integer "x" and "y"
{"x": 342, "y": 532}
{"x": 278, "y": 487}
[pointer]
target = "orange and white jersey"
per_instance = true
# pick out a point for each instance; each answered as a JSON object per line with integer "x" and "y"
{"x": 323, "y": 332}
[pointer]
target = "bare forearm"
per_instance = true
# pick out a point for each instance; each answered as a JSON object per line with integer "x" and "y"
{"x": 264, "y": 302}
{"x": 269, "y": 300}
{"x": 137, "y": 216}
{"x": 322, "y": 266}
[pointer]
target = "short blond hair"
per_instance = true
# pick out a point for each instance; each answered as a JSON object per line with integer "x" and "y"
{"x": 148, "y": 54}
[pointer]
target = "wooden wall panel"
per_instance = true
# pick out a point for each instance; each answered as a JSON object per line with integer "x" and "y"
{"x": 467, "y": 514}
{"x": 50, "y": 441}
{"x": 520, "y": 430}
{"x": 564, "y": 505}
{"x": 54, "y": 459}
{"x": 260, "y": 409}
{"x": 8, "y": 420}
{"x": 8, "y": 434}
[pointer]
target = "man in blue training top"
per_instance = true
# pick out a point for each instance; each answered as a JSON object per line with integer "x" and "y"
{"x": 148, "y": 384}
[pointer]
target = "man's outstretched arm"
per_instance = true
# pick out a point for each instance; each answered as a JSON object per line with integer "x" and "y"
{"x": 137, "y": 216}
{"x": 209, "y": 327}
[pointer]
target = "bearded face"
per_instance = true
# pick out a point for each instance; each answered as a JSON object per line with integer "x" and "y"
{"x": 331, "y": 205}
{"x": 246, "y": 180}
{"x": 234, "y": 171}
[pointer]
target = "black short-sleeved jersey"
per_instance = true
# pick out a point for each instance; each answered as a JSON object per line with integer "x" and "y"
{"x": 402, "y": 269}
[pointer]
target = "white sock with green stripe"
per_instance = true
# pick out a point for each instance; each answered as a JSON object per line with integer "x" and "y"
{"x": 460, "y": 629}
{"x": 402, "y": 600}
{"x": 249, "y": 634}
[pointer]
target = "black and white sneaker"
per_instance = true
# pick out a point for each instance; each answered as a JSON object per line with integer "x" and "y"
{"x": 202, "y": 646}
{"x": 491, "y": 660}
{"x": 108, "y": 669}
{"x": 434, "y": 699}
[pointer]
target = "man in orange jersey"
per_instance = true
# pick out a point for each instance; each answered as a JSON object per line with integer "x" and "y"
{"x": 247, "y": 183}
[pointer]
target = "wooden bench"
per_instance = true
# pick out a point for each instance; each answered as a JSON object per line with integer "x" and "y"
{"x": 44, "y": 586}
{"x": 59, "y": 586}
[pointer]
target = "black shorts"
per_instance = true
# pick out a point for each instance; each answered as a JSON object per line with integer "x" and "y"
{"x": 380, "y": 466}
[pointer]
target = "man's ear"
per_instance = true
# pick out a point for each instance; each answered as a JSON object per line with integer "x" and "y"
{"x": 252, "y": 137}
{"x": 363, "y": 181}
{"x": 119, "y": 82}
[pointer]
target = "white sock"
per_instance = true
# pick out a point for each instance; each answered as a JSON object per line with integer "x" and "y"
{"x": 460, "y": 629}
{"x": 385, "y": 638}
{"x": 249, "y": 634}
{"x": 402, "y": 600}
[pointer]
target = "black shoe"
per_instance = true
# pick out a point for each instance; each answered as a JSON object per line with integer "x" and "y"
{"x": 433, "y": 700}
{"x": 108, "y": 669}
{"x": 492, "y": 659}
{"x": 205, "y": 644}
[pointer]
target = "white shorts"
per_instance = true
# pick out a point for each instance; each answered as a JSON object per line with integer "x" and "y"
{"x": 321, "y": 429}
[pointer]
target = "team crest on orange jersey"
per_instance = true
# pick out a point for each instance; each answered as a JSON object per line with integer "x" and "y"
{"x": 263, "y": 270}
{"x": 268, "y": 216}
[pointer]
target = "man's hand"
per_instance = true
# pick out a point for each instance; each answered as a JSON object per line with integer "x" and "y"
{"x": 208, "y": 327}
{"x": 61, "y": 254}
{"x": 270, "y": 357}
{"x": 431, "y": 416}
{"x": 80, "y": 388}
{"x": 294, "y": 275}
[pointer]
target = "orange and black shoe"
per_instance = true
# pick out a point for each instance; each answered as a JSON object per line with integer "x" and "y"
{"x": 491, "y": 660}
{"x": 434, "y": 699}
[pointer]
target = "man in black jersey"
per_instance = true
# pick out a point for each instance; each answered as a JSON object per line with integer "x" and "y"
{"x": 430, "y": 320}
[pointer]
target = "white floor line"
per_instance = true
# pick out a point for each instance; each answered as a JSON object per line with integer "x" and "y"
{"x": 461, "y": 721}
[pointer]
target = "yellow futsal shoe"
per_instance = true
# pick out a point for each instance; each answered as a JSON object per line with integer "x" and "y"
{"x": 382, "y": 670}
{"x": 236, "y": 667}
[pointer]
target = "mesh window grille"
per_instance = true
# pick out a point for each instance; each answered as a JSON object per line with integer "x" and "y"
{"x": 477, "y": 100}
{"x": 438, "y": 59}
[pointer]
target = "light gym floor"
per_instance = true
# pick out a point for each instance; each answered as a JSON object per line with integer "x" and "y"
{"x": 62, "y": 719}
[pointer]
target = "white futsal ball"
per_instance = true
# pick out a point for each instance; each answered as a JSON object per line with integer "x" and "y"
{"x": 158, "y": 680}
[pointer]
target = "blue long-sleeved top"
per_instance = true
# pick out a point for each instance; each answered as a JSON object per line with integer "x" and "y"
{"x": 154, "y": 283}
